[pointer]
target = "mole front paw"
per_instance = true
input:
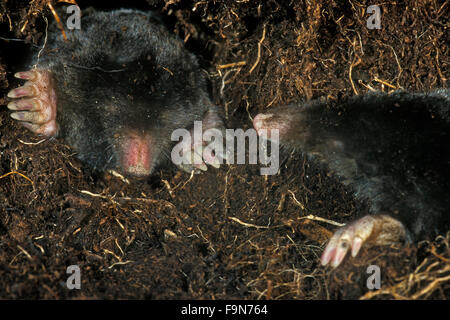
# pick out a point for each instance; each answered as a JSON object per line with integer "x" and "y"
{"x": 35, "y": 102}
{"x": 196, "y": 153}
{"x": 376, "y": 230}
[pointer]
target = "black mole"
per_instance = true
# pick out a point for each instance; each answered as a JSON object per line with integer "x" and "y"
{"x": 394, "y": 149}
{"x": 115, "y": 91}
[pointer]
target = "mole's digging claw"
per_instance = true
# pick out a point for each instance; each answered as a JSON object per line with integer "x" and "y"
{"x": 201, "y": 154}
{"x": 39, "y": 113}
{"x": 25, "y": 75}
{"x": 198, "y": 162}
{"x": 24, "y": 104}
{"x": 24, "y": 91}
{"x": 374, "y": 229}
{"x": 33, "y": 117}
{"x": 191, "y": 160}
{"x": 350, "y": 236}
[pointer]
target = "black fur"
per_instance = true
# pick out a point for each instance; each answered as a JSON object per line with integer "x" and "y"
{"x": 393, "y": 149}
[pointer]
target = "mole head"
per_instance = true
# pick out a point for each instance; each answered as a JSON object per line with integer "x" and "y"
{"x": 140, "y": 136}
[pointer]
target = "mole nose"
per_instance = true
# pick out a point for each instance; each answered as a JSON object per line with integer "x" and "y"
{"x": 137, "y": 155}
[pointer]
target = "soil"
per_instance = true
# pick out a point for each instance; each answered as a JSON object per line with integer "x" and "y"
{"x": 229, "y": 233}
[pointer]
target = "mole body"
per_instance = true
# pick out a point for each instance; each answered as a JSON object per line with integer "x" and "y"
{"x": 115, "y": 91}
{"x": 394, "y": 150}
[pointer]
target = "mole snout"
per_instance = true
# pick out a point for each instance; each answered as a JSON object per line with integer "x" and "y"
{"x": 136, "y": 153}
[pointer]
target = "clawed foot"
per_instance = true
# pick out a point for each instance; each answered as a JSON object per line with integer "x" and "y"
{"x": 376, "y": 229}
{"x": 197, "y": 153}
{"x": 35, "y": 102}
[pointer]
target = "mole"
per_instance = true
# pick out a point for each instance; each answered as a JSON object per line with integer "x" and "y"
{"x": 115, "y": 91}
{"x": 392, "y": 149}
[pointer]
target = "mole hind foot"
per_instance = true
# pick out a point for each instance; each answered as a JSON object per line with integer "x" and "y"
{"x": 199, "y": 155}
{"x": 373, "y": 229}
{"x": 35, "y": 102}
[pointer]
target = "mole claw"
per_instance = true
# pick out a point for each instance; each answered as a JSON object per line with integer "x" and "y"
{"x": 21, "y": 92}
{"x": 18, "y": 116}
{"x": 356, "y": 245}
{"x": 340, "y": 253}
{"x": 215, "y": 163}
{"x": 30, "y": 126}
{"x": 327, "y": 254}
{"x": 49, "y": 129}
{"x": 24, "y": 116}
{"x": 12, "y": 106}
{"x": 375, "y": 229}
{"x": 33, "y": 117}
{"x": 25, "y": 75}
{"x": 198, "y": 163}
{"x": 25, "y": 104}
{"x": 212, "y": 159}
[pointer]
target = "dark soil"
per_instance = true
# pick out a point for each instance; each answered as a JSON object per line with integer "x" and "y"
{"x": 230, "y": 232}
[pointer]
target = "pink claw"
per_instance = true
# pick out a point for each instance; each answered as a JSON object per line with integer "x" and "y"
{"x": 21, "y": 92}
{"x": 328, "y": 253}
{"x": 38, "y": 113}
{"x": 356, "y": 246}
{"x": 25, "y": 75}
{"x": 24, "y": 104}
{"x": 380, "y": 229}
